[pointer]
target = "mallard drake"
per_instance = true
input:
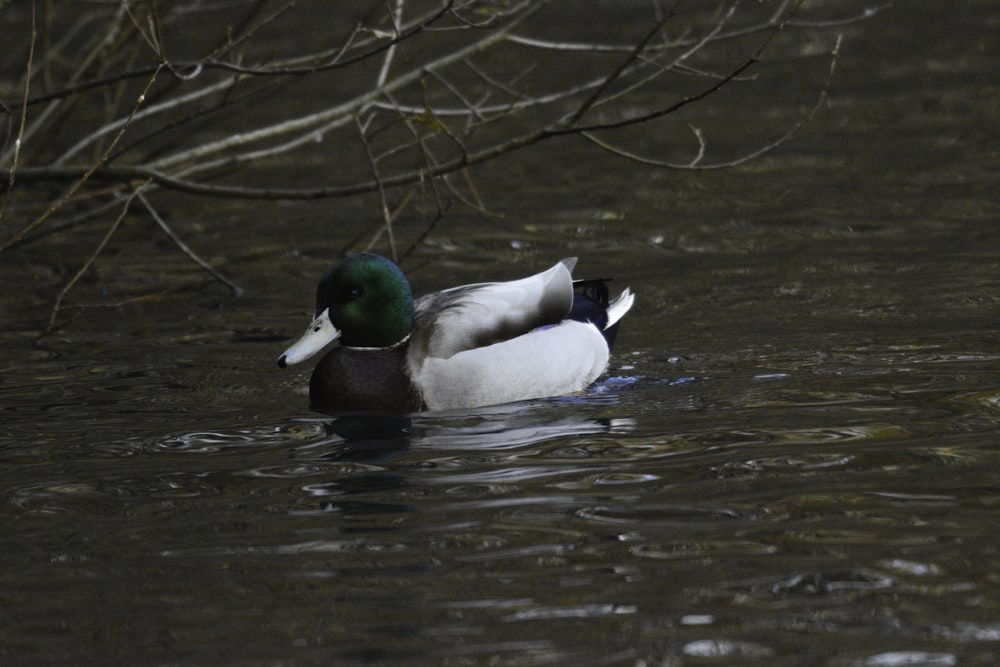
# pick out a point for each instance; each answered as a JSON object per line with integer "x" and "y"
{"x": 463, "y": 347}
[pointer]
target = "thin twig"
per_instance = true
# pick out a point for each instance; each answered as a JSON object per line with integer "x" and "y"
{"x": 695, "y": 163}
{"x": 84, "y": 178}
{"x": 310, "y": 64}
{"x": 233, "y": 287}
{"x": 240, "y": 73}
{"x": 40, "y": 120}
{"x": 151, "y": 110}
{"x": 617, "y": 73}
{"x": 373, "y": 164}
{"x": 381, "y": 229}
{"x": 90, "y": 260}
{"x": 85, "y": 215}
{"x": 683, "y": 102}
{"x": 396, "y": 16}
{"x": 24, "y": 113}
{"x": 674, "y": 64}
{"x": 349, "y": 108}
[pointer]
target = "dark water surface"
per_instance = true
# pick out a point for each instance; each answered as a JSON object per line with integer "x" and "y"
{"x": 794, "y": 458}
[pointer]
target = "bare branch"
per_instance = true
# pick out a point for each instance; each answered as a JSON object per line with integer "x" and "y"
{"x": 90, "y": 260}
{"x": 373, "y": 164}
{"x": 235, "y": 289}
{"x": 766, "y": 148}
{"x": 42, "y": 119}
{"x": 82, "y": 179}
{"x": 24, "y": 114}
{"x": 615, "y": 74}
{"x": 659, "y": 70}
{"x": 342, "y": 113}
{"x": 402, "y": 103}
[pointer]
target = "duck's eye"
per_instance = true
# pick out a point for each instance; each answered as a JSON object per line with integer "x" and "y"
{"x": 353, "y": 293}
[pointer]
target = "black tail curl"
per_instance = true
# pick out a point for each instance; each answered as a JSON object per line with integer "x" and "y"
{"x": 590, "y": 304}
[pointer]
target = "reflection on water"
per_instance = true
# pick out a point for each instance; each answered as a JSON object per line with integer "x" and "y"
{"x": 731, "y": 518}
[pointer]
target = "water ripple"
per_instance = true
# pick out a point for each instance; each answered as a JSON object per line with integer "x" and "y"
{"x": 825, "y": 583}
{"x": 726, "y": 648}
{"x": 911, "y": 659}
{"x": 652, "y": 515}
{"x": 571, "y": 611}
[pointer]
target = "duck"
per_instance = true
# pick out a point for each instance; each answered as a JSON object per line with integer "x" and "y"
{"x": 469, "y": 346}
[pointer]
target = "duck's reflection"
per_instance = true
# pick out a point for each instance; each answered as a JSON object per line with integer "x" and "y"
{"x": 369, "y": 438}
{"x": 375, "y": 440}
{"x": 377, "y": 436}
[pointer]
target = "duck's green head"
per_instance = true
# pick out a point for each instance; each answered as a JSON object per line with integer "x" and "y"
{"x": 369, "y": 301}
{"x": 364, "y": 300}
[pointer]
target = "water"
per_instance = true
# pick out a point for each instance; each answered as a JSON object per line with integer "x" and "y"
{"x": 793, "y": 459}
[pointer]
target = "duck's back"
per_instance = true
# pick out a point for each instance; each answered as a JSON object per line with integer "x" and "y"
{"x": 472, "y": 316}
{"x": 497, "y": 343}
